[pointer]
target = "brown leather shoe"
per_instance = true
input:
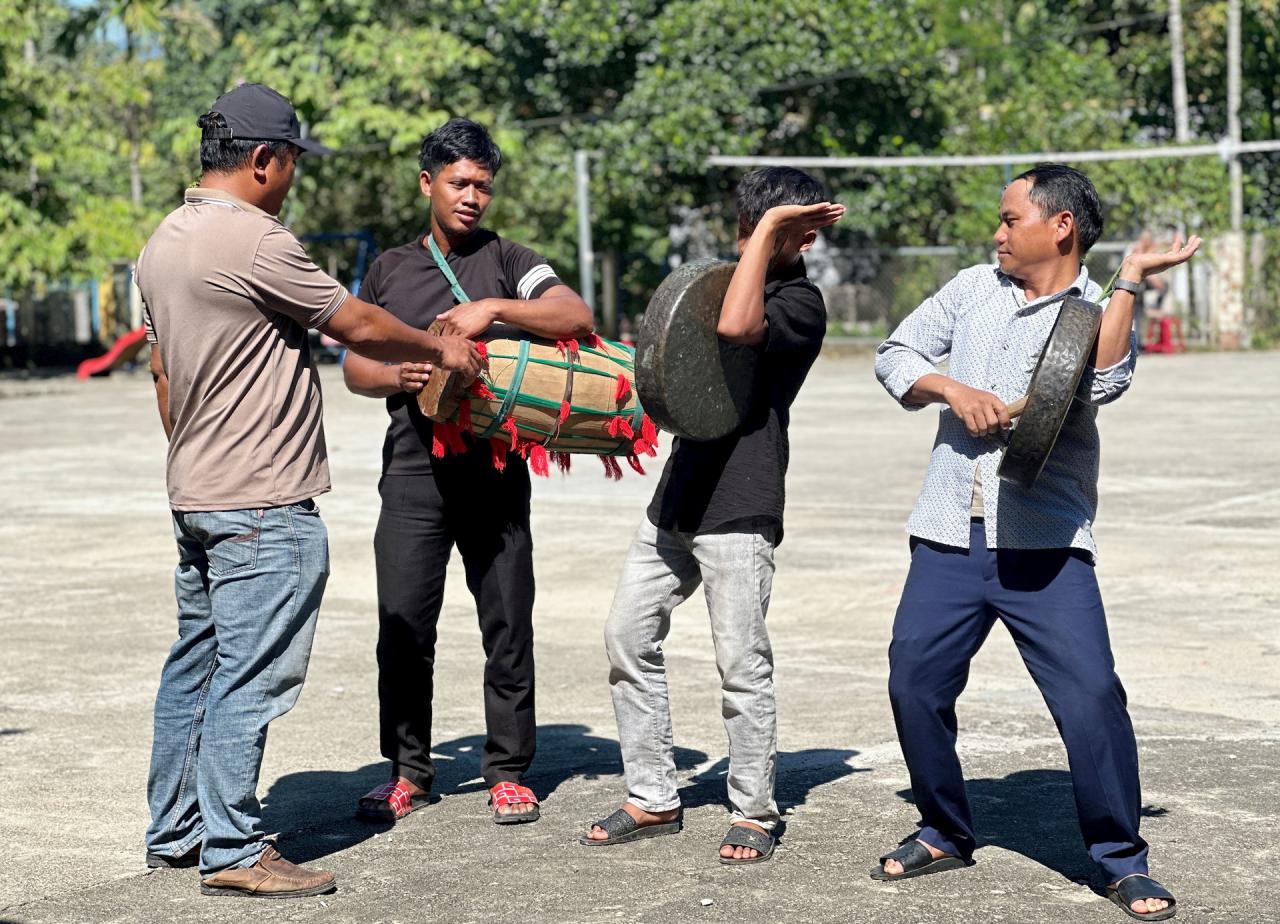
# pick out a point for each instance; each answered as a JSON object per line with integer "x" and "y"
{"x": 271, "y": 877}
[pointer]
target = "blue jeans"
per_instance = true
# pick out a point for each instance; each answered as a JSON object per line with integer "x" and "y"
{"x": 248, "y": 586}
{"x": 1049, "y": 601}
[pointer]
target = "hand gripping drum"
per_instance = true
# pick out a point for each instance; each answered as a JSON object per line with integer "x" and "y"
{"x": 691, "y": 382}
{"x": 1052, "y": 389}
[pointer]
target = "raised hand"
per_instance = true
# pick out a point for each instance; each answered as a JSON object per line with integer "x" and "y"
{"x": 1142, "y": 265}
{"x": 797, "y": 219}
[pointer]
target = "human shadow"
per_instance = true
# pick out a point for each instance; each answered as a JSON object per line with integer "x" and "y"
{"x": 6, "y": 732}
{"x": 564, "y": 753}
{"x": 1033, "y": 812}
{"x": 799, "y": 773}
{"x": 316, "y": 808}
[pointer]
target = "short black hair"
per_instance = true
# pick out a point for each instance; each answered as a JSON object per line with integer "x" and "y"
{"x": 459, "y": 139}
{"x": 761, "y": 190}
{"x": 227, "y": 155}
{"x": 1057, "y": 188}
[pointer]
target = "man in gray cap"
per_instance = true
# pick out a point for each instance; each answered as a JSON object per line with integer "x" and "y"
{"x": 229, "y": 295}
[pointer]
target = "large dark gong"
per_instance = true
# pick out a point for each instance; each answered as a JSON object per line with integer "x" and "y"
{"x": 691, "y": 382}
{"x": 1053, "y": 387}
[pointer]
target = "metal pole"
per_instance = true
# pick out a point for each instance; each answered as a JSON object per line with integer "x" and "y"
{"x": 1181, "y": 120}
{"x": 586, "y": 257}
{"x": 1233, "y": 113}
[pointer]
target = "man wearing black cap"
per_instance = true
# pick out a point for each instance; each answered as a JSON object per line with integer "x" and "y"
{"x": 229, "y": 295}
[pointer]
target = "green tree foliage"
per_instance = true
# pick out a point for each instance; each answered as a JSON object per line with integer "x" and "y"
{"x": 98, "y": 104}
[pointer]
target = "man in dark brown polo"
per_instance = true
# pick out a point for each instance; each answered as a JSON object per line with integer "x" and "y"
{"x": 229, "y": 296}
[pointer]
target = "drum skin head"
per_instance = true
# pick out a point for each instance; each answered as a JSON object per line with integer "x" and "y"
{"x": 691, "y": 382}
{"x": 1051, "y": 391}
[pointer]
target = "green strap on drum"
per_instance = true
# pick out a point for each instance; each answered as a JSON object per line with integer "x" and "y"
{"x": 509, "y": 399}
{"x": 512, "y": 393}
{"x": 458, "y": 291}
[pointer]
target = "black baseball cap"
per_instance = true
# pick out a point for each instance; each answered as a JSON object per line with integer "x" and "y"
{"x": 255, "y": 112}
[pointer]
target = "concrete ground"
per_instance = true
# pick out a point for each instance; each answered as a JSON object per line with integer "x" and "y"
{"x": 1190, "y": 537}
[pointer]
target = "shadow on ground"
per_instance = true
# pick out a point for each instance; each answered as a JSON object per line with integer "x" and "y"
{"x": 316, "y": 808}
{"x": 799, "y": 773}
{"x": 1033, "y": 812}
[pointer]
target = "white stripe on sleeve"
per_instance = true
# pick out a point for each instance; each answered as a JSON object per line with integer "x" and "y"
{"x": 532, "y": 279}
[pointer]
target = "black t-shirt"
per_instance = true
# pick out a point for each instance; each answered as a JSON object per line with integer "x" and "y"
{"x": 707, "y": 485}
{"x": 406, "y": 282}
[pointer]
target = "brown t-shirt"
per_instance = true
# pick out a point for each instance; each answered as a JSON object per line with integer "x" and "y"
{"x": 228, "y": 296}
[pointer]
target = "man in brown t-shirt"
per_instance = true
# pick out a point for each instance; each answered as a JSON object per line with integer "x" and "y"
{"x": 229, "y": 295}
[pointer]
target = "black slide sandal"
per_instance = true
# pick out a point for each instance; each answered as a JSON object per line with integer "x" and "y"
{"x": 917, "y": 861}
{"x": 1138, "y": 888}
{"x": 622, "y": 829}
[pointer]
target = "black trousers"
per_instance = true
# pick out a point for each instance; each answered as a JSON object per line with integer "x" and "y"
{"x": 486, "y": 515}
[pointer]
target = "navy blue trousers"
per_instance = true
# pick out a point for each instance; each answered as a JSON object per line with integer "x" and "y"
{"x": 1049, "y": 601}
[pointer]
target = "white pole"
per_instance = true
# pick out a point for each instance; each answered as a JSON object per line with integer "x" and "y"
{"x": 1233, "y": 113}
{"x": 586, "y": 257}
{"x": 1181, "y": 120}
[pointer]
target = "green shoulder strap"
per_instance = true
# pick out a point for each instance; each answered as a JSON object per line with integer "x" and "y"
{"x": 458, "y": 292}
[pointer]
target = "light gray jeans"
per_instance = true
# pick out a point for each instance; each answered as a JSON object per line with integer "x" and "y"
{"x": 663, "y": 568}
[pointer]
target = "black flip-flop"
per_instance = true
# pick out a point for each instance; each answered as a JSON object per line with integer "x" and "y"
{"x": 622, "y": 828}
{"x": 742, "y": 836}
{"x": 917, "y": 861}
{"x": 1137, "y": 887}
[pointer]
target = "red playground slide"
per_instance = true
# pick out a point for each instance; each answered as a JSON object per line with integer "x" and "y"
{"x": 122, "y": 351}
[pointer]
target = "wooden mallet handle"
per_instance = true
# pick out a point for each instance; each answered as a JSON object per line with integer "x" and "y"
{"x": 1017, "y": 407}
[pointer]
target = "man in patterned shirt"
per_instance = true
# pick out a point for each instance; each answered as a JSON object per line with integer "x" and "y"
{"x": 983, "y": 549}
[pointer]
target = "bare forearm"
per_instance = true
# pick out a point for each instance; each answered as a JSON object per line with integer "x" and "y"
{"x": 370, "y": 331}
{"x": 162, "y": 403}
{"x": 742, "y": 312}
{"x": 369, "y": 377}
{"x": 930, "y": 388}
{"x": 1117, "y": 324}
{"x": 560, "y": 317}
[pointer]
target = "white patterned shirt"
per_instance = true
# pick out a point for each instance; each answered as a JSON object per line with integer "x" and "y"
{"x": 994, "y": 337}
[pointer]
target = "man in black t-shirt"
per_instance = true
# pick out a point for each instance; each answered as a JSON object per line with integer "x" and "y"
{"x": 716, "y": 518}
{"x": 470, "y": 278}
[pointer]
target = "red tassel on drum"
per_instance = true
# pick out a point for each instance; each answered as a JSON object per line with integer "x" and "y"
{"x": 567, "y": 347}
{"x": 480, "y": 390}
{"x": 510, "y": 426}
{"x": 564, "y": 413}
{"x": 538, "y": 460}
{"x": 620, "y": 427}
{"x": 437, "y": 444}
{"x": 592, "y": 340}
{"x": 483, "y": 349}
{"x": 609, "y": 463}
{"x": 450, "y": 435}
{"x": 623, "y": 389}
{"x": 562, "y": 460}
{"x": 498, "y": 454}
{"x": 635, "y": 463}
{"x": 648, "y": 432}
{"x": 615, "y": 469}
